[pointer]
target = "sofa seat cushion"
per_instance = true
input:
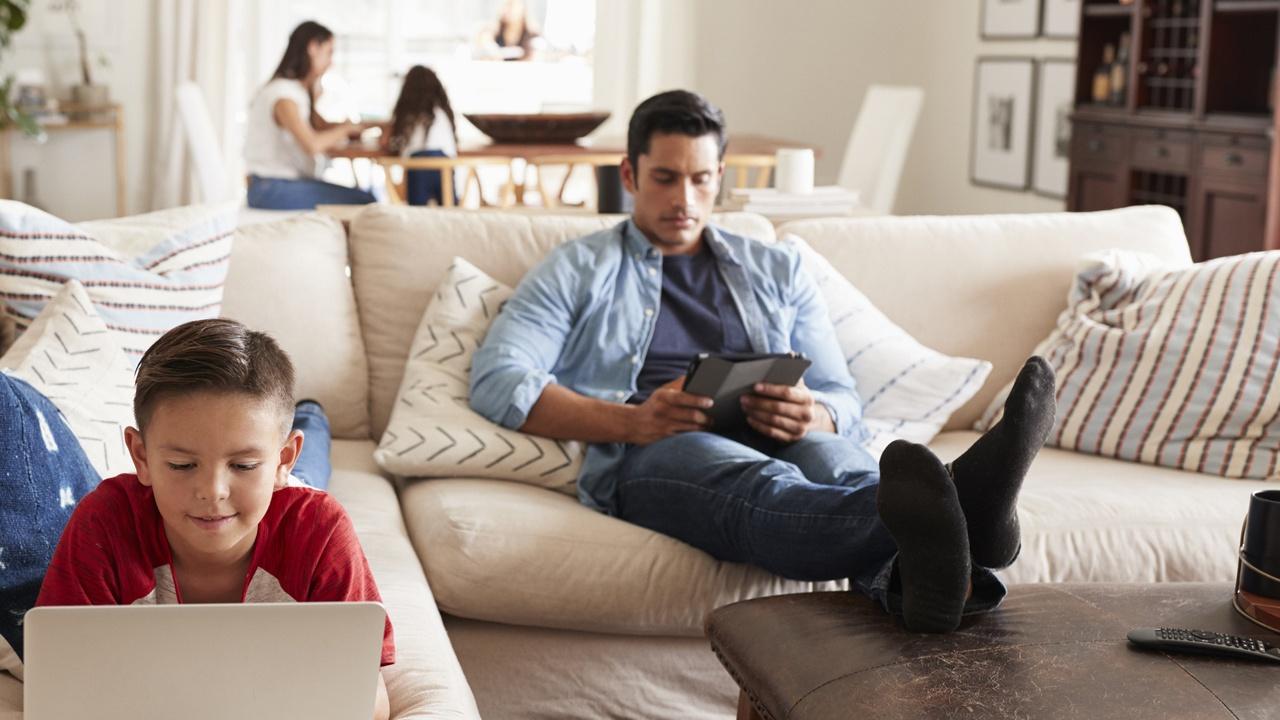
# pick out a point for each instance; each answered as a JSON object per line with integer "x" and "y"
{"x": 426, "y": 680}
{"x": 513, "y": 553}
{"x": 1092, "y": 519}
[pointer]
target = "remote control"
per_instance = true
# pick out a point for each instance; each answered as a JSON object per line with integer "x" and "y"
{"x": 1204, "y": 641}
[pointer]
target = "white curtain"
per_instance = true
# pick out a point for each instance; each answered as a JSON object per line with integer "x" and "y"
{"x": 194, "y": 42}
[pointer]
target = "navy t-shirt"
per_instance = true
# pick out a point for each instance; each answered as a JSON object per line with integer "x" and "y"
{"x": 697, "y": 315}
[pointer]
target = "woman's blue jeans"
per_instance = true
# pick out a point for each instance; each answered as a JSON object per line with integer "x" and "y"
{"x": 301, "y": 194}
{"x": 804, "y": 510}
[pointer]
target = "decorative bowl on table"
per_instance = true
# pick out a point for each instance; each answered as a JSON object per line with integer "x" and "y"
{"x": 536, "y": 127}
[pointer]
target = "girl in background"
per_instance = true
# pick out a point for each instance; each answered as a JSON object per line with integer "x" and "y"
{"x": 422, "y": 125}
{"x": 286, "y": 136}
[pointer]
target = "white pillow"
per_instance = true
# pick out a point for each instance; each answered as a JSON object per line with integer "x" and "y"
{"x": 433, "y": 432}
{"x": 908, "y": 390}
{"x": 146, "y": 274}
{"x": 71, "y": 358}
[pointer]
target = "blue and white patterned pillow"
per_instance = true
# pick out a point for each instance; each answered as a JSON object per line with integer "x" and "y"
{"x": 1177, "y": 367}
{"x": 145, "y": 274}
{"x": 43, "y": 474}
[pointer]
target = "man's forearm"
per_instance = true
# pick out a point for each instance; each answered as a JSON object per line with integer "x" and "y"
{"x": 562, "y": 414}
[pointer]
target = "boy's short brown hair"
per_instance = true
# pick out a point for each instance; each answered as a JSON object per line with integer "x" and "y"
{"x": 220, "y": 356}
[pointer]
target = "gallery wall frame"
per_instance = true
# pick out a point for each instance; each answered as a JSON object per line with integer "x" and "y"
{"x": 1051, "y": 141}
{"x": 1009, "y": 19}
{"x": 1060, "y": 19}
{"x": 1000, "y": 135}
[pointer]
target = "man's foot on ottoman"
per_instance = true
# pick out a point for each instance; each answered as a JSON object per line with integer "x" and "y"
{"x": 918, "y": 504}
{"x": 988, "y": 476}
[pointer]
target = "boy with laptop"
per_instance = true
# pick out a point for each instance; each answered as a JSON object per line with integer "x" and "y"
{"x": 209, "y": 518}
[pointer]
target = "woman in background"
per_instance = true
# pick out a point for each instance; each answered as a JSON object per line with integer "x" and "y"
{"x": 286, "y": 135}
{"x": 513, "y": 38}
{"x": 422, "y": 125}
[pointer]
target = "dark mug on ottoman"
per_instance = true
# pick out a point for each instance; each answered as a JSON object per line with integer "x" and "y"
{"x": 1257, "y": 595}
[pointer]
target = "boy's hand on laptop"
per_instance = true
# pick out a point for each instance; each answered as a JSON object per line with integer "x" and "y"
{"x": 669, "y": 410}
{"x": 785, "y": 412}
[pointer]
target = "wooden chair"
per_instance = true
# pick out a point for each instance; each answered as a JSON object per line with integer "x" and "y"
{"x": 742, "y": 167}
{"x": 398, "y": 190}
{"x": 571, "y": 162}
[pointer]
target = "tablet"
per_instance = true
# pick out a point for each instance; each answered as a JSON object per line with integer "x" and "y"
{"x": 727, "y": 377}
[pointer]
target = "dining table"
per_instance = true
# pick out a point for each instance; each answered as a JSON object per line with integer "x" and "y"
{"x": 605, "y": 154}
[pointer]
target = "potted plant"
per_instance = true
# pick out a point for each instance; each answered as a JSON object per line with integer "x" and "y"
{"x": 86, "y": 97}
{"x": 13, "y": 15}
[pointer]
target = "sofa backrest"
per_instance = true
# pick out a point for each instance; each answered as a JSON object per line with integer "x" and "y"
{"x": 984, "y": 286}
{"x": 400, "y": 254}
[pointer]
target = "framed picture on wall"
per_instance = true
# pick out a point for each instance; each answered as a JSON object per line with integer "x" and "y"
{"x": 1055, "y": 82}
{"x": 1061, "y": 18}
{"x": 1000, "y": 141}
{"x": 1008, "y": 19}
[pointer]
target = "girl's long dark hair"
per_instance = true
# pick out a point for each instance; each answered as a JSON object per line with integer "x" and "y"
{"x": 296, "y": 63}
{"x": 420, "y": 95}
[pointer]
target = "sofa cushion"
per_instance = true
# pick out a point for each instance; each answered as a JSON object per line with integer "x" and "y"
{"x": 426, "y": 680}
{"x": 1170, "y": 367}
{"x": 146, "y": 273}
{"x": 433, "y": 430}
{"x": 519, "y": 554}
{"x": 1092, "y": 519}
{"x": 69, "y": 355}
{"x": 908, "y": 390}
{"x": 289, "y": 278}
{"x": 399, "y": 255}
{"x": 949, "y": 280}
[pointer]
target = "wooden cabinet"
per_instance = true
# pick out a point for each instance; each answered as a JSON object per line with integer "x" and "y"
{"x": 1194, "y": 128}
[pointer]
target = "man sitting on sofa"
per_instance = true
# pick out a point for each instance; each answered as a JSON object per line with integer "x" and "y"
{"x": 593, "y": 347}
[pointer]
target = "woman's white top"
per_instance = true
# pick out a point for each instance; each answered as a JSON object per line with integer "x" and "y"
{"x": 269, "y": 149}
{"x": 440, "y": 137}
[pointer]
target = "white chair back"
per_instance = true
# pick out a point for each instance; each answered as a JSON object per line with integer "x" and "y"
{"x": 202, "y": 144}
{"x": 878, "y": 146}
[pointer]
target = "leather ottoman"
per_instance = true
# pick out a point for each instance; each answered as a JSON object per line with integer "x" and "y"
{"x": 1050, "y": 651}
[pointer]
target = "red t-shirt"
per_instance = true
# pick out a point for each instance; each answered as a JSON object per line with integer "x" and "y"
{"x": 114, "y": 552}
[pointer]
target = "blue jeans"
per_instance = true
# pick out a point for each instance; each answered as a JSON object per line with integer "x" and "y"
{"x": 313, "y": 466}
{"x": 301, "y": 194}
{"x": 804, "y": 510}
{"x": 425, "y": 185}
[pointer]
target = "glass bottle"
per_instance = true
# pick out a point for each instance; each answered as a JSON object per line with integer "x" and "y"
{"x": 1119, "y": 74}
{"x": 1102, "y": 76}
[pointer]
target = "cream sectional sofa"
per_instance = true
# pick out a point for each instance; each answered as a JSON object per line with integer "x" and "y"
{"x": 555, "y": 611}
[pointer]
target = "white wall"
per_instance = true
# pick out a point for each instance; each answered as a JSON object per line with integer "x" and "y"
{"x": 798, "y": 70}
{"x": 76, "y": 169}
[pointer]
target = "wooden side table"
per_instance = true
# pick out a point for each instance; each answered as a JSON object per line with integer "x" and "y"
{"x": 1051, "y": 651}
{"x": 110, "y": 117}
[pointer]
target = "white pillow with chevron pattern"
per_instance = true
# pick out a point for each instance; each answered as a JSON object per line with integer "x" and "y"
{"x": 70, "y": 356}
{"x": 433, "y": 431}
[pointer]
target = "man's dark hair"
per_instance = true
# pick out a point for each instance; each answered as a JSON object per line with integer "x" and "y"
{"x": 220, "y": 356}
{"x": 674, "y": 111}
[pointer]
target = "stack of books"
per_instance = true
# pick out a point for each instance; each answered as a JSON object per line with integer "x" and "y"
{"x": 823, "y": 201}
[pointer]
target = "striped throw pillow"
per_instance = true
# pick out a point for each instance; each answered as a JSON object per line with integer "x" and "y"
{"x": 908, "y": 390}
{"x": 1171, "y": 367}
{"x": 145, "y": 274}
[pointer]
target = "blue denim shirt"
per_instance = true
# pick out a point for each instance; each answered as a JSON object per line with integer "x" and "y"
{"x": 584, "y": 317}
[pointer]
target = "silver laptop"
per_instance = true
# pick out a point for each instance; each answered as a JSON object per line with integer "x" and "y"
{"x": 203, "y": 662}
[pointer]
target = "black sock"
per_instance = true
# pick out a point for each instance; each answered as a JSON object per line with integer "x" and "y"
{"x": 918, "y": 504}
{"x": 989, "y": 474}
